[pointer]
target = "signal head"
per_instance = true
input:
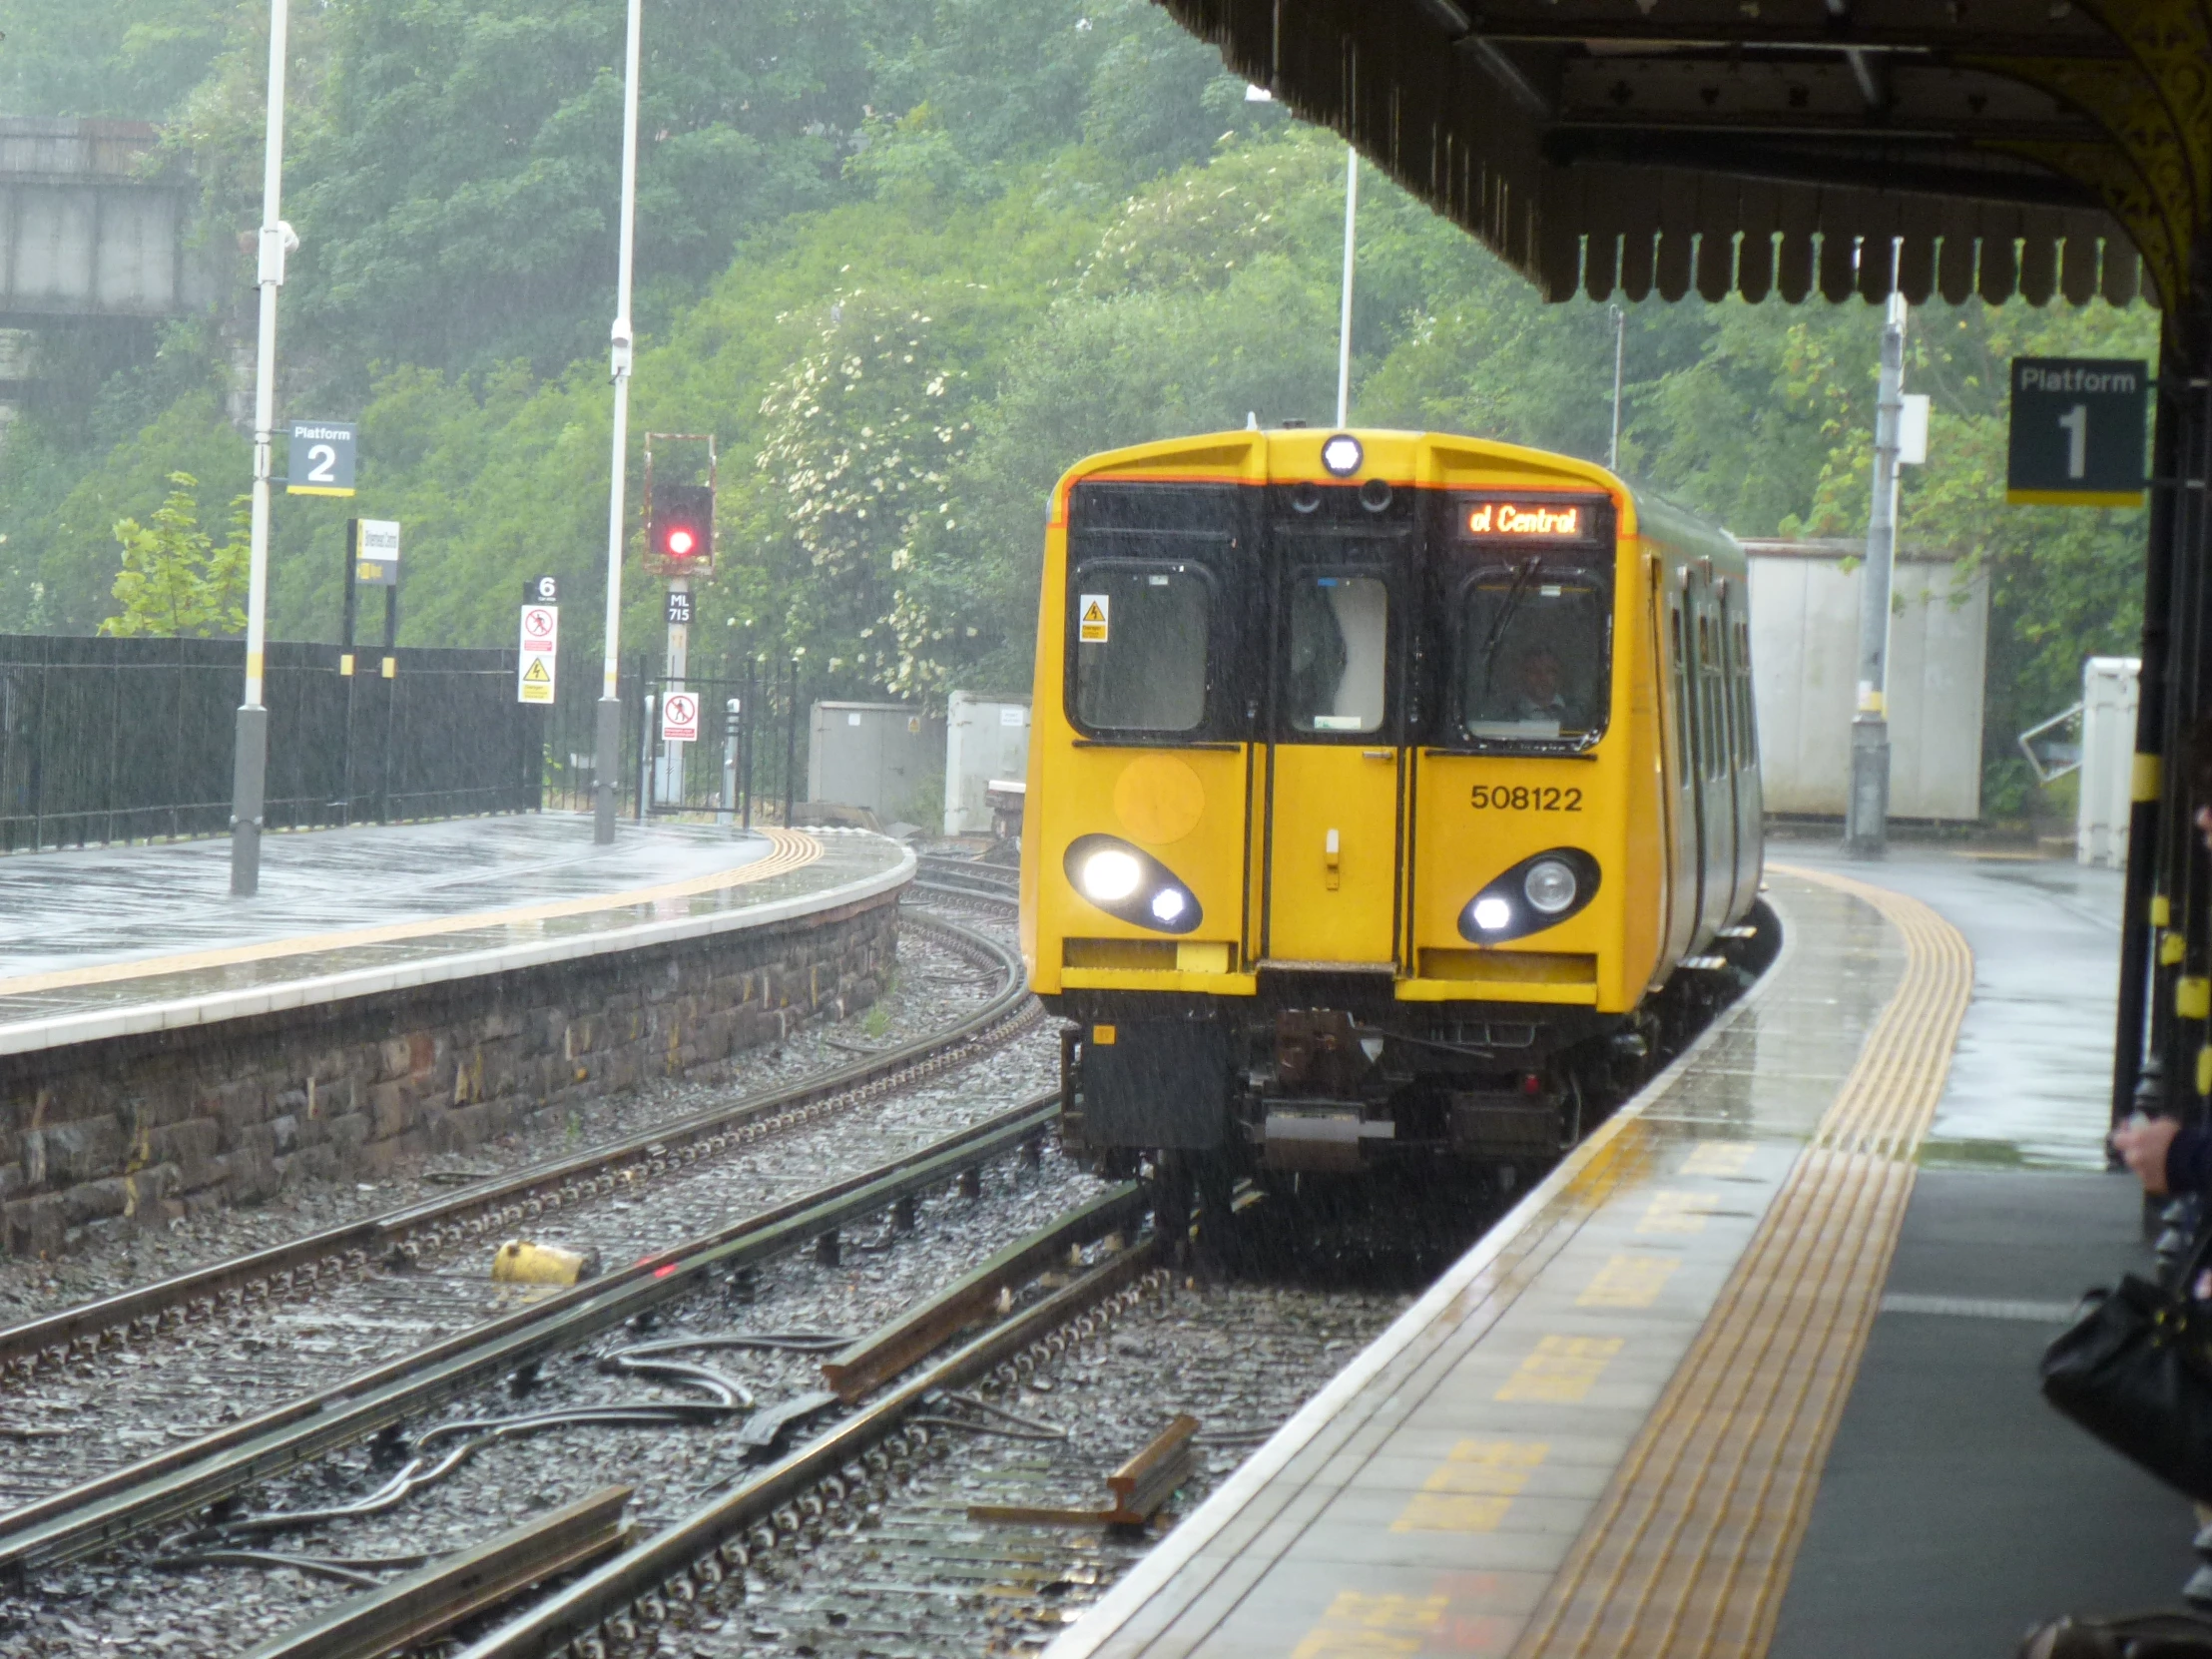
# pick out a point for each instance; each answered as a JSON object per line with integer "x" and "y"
{"x": 680, "y": 537}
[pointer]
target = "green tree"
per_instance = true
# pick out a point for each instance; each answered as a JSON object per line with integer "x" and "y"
{"x": 457, "y": 195}
{"x": 175, "y": 582}
{"x": 134, "y": 60}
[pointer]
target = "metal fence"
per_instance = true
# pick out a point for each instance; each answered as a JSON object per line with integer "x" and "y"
{"x": 105, "y": 740}
{"x": 750, "y": 762}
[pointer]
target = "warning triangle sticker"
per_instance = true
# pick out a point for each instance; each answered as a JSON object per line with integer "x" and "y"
{"x": 535, "y": 674}
{"x": 1094, "y": 614}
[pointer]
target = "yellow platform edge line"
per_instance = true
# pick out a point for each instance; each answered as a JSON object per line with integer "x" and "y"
{"x": 792, "y": 849}
{"x": 1693, "y": 1543}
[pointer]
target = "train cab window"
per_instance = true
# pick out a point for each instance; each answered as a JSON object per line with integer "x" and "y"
{"x": 1334, "y": 670}
{"x": 1139, "y": 635}
{"x": 1535, "y": 654}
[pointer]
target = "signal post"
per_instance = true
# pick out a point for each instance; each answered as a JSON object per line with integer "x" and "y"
{"x": 680, "y": 545}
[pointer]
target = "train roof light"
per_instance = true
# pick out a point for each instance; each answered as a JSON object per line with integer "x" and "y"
{"x": 1342, "y": 455}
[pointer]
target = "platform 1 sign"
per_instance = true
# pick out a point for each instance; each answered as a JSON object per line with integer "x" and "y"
{"x": 537, "y": 666}
{"x": 679, "y": 718}
{"x": 2078, "y": 433}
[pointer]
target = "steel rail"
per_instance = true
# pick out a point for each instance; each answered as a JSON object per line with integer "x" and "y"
{"x": 876, "y": 1358}
{"x": 526, "y": 1193}
{"x": 412, "y": 1609}
{"x": 967, "y": 879}
{"x": 675, "y": 1554}
{"x": 174, "y": 1483}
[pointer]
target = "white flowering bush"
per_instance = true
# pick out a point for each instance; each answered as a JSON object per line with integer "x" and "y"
{"x": 862, "y": 434}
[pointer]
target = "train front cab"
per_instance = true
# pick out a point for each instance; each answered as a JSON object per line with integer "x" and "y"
{"x": 1369, "y": 804}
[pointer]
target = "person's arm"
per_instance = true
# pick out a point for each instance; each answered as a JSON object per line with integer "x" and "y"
{"x": 2147, "y": 1146}
{"x": 2189, "y": 1160}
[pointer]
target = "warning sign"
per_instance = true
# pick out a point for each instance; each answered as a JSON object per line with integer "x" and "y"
{"x": 679, "y": 718}
{"x": 538, "y": 663}
{"x": 1090, "y": 619}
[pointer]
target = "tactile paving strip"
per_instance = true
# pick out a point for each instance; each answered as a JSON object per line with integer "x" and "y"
{"x": 1691, "y": 1547}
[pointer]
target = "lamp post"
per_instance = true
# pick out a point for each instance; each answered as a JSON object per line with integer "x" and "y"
{"x": 1621, "y": 353}
{"x": 1344, "y": 320}
{"x": 1866, "y": 808}
{"x": 607, "y": 748}
{"x": 250, "y": 753}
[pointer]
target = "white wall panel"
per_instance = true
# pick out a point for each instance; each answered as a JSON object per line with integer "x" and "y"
{"x": 1805, "y": 652}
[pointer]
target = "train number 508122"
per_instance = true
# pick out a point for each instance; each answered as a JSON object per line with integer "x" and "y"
{"x": 1525, "y": 798}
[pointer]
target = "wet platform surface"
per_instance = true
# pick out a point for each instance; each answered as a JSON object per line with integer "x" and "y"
{"x": 109, "y": 941}
{"x": 1743, "y": 1376}
{"x": 2032, "y": 1072}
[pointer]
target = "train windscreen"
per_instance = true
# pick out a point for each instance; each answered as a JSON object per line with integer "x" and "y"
{"x": 1534, "y": 652}
{"x": 1141, "y": 632}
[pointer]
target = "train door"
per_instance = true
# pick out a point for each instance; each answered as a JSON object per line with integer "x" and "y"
{"x": 1333, "y": 772}
{"x": 1751, "y": 802}
{"x": 1690, "y": 766}
{"x": 1715, "y": 774}
{"x": 1737, "y": 756}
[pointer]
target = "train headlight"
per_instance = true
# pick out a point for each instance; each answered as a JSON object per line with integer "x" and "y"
{"x": 1129, "y": 883}
{"x": 1110, "y": 876}
{"x": 1549, "y": 886}
{"x": 1541, "y": 891}
{"x": 1341, "y": 454}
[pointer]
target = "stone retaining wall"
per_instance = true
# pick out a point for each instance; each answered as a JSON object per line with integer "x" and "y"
{"x": 133, "y": 1131}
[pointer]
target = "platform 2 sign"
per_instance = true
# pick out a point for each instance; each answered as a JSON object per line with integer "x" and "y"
{"x": 679, "y": 718}
{"x": 2078, "y": 433}
{"x": 538, "y": 665}
{"x": 321, "y": 459}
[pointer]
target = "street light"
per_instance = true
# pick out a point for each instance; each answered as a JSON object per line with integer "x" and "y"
{"x": 250, "y": 753}
{"x": 607, "y": 748}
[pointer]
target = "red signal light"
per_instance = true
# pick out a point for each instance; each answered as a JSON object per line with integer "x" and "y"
{"x": 681, "y": 535}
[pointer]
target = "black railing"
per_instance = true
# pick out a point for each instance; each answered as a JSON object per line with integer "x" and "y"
{"x": 748, "y": 766}
{"x": 105, "y": 740}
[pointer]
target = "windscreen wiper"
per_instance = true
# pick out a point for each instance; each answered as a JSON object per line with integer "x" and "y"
{"x": 1524, "y": 574}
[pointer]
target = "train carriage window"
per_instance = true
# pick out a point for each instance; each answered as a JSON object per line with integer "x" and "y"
{"x": 1339, "y": 632}
{"x": 1140, "y": 632}
{"x": 1535, "y": 654}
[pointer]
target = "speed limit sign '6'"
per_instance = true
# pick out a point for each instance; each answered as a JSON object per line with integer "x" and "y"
{"x": 2078, "y": 433}
{"x": 321, "y": 461}
{"x": 679, "y": 718}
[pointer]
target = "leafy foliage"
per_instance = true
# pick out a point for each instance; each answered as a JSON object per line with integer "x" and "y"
{"x": 909, "y": 262}
{"x": 176, "y": 583}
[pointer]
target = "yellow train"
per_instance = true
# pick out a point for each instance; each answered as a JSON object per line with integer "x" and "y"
{"x": 1383, "y": 788}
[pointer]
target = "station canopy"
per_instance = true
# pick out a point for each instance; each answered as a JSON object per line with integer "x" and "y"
{"x": 2044, "y": 148}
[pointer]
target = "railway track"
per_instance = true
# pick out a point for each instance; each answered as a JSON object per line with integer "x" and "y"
{"x": 96, "y": 1388}
{"x": 992, "y": 887}
{"x": 152, "y": 1491}
{"x": 194, "y": 1518}
{"x": 623, "y": 1168}
{"x": 203, "y": 1484}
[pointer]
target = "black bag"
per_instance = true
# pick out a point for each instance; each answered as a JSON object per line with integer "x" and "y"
{"x": 2148, "y": 1636}
{"x": 2136, "y": 1371}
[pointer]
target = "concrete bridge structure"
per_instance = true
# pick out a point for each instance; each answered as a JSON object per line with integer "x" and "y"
{"x": 93, "y": 225}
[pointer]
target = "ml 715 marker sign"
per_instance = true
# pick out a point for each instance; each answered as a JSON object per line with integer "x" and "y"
{"x": 2078, "y": 433}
